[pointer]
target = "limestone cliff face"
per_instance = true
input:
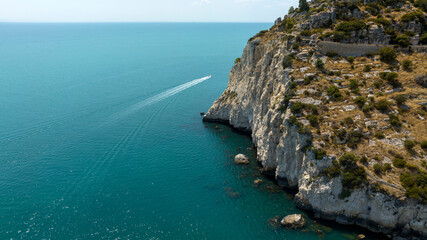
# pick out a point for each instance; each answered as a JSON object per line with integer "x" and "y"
{"x": 256, "y": 86}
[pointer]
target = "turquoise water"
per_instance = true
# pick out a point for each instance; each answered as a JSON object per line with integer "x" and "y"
{"x": 101, "y": 136}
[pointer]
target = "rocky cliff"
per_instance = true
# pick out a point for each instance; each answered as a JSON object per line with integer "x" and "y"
{"x": 259, "y": 98}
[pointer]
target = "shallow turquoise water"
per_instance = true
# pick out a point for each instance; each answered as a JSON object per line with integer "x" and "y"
{"x": 94, "y": 144}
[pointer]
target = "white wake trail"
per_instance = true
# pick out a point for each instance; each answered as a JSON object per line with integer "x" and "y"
{"x": 154, "y": 99}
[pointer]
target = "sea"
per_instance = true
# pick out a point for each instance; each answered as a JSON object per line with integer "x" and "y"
{"x": 101, "y": 137}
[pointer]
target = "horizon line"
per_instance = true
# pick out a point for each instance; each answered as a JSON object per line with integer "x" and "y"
{"x": 128, "y": 22}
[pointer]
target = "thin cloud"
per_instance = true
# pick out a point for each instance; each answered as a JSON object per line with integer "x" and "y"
{"x": 200, "y": 2}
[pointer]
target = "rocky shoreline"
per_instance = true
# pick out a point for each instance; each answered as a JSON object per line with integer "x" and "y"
{"x": 256, "y": 84}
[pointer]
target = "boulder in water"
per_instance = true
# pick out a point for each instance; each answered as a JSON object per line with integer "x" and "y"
{"x": 257, "y": 181}
{"x": 360, "y": 236}
{"x": 241, "y": 159}
{"x": 293, "y": 221}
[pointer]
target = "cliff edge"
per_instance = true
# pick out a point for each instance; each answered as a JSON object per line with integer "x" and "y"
{"x": 346, "y": 128}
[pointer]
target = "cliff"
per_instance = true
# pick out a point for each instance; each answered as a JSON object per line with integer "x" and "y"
{"x": 304, "y": 129}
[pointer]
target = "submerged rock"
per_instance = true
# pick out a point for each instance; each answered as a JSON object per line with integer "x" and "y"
{"x": 241, "y": 159}
{"x": 274, "y": 220}
{"x": 293, "y": 221}
{"x": 257, "y": 181}
{"x": 360, "y": 236}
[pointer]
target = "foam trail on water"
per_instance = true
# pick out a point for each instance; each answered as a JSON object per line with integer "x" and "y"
{"x": 154, "y": 99}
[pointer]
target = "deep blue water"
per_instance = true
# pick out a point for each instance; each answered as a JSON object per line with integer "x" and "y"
{"x": 100, "y": 139}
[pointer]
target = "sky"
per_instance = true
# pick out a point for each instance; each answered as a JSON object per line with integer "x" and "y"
{"x": 143, "y": 10}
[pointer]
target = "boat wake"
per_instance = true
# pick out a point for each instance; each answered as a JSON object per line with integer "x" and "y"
{"x": 154, "y": 99}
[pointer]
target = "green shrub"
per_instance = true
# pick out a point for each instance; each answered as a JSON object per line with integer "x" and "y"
{"x": 354, "y": 179}
{"x": 319, "y": 153}
{"x": 293, "y": 120}
{"x": 300, "y": 127}
{"x": 382, "y": 105}
{"x": 400, "y": 99}
{"x": 391, "y": 78}
{"x": 289, "y": 24}
{"x": 387, "y": 54}
{"x": 313, "y": 119}
{"x": 303, "y": 5}
{"x": 237, "y": 60}
{"x": 320, "y": 64}
{"x": 354, "y": 176}
{"x": 350, "y": 59}
{"x": 402, "y": 40}
{"x": 406, "y": 63}
{"x": 325, "y": 35}
{"x": 348, "y": 161}
{"x": 341, "y": 134}
{"x": 423, "y": 144}
{"x": 332, "y": 171}
{"x": 370, "y": 54}
{"x": 350, "y": 26}
{"x": 423, "y": 38}
{"x": 295, "y": 46}
{"x": 360, "y": 101}
{"x": 379, "y": 135}
{"x": 373, "y": 8}
{"x": 409, "y": 144}
{"x": 306, "y": 33}
{"x": 382, "y": 21}
{"x": 421, "y": 4}
{"x": 334, "y": 92}
{"x": 377, "y": 168}
{"x": 312, "y": 108}
{"x": 386, "y": 167}
{"x": 415, "y": 185}
{"x": 363, "y": 160}
{"x": 297, "y": 107}
{"x": 399, "y": 162}
{"x": 345, "y": 193}
{"x": 307, "y": 81}
{"x": 367, "y": 68}
{"x": 291, "y": 10}
{"x": 287, "y": 61}
{"x": 332, "y": 54}
{"x": 340, "y": 36}
{"x": 394, "y": 120}
{"x": 304, "y": 130}
{"x": 409, "y": 33}
{"x": 378, "y": 83}
{"x": 353, "y": 84}
{"x": 285, "y": 102}
{"x": 354, "y": 137}
{"x": 366, "y": 108}
{"x": 348, "y": 121}
{"x": 293, "y": 85}
{"x": 412, "y": 16}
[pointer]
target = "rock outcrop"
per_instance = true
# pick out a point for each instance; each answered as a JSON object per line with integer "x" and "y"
{"x": 256, "y": 87}
{"x": 293, "y": 221}
{"x": 241, "y": 159}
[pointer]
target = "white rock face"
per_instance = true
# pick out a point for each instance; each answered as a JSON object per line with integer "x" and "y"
{"x": 258, "y": 83}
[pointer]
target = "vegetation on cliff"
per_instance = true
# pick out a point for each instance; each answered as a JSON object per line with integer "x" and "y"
{"x": 372, "y": 106}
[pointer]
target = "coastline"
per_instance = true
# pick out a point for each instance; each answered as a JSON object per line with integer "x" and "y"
{"x": 256, "y": 84}
{"x": 328, "y": 222}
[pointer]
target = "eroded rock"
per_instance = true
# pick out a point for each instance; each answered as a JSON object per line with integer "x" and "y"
{"x": 241, "y": 159}
{"x": 293, "y": 221}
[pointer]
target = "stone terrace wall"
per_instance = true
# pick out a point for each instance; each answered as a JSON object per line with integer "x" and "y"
{"x": 352, "y": 49}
